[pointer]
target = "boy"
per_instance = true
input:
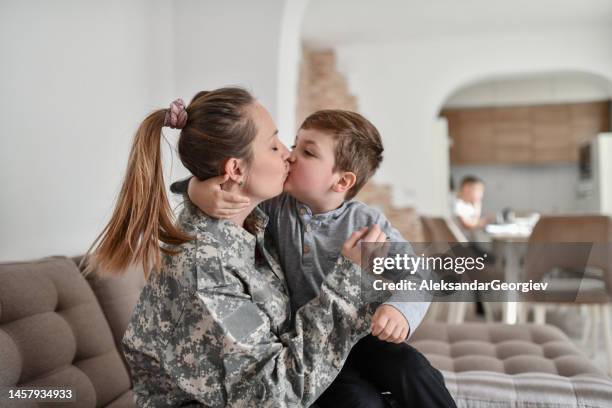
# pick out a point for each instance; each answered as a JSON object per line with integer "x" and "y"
{"x": 335, "y": 154}
{"x": 468, "y": 205}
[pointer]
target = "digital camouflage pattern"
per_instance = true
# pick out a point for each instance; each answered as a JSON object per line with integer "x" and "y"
{"x": 214, "y": 328}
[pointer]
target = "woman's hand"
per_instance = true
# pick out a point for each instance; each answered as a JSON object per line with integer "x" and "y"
{"x": 208, "y": 196}
{"x": 352, "y": 249}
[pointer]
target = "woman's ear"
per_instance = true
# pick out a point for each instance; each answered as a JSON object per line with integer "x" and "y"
{"x": 346, "y": 181}
{"x": 234, "y": 168}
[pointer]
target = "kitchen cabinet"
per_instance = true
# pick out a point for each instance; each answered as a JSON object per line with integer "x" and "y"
{"x": 524, "y": 134}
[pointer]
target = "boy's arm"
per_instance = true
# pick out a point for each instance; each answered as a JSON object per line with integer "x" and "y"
{"x": 413, "y": 311}
{"x": 209, "y": 197}
{"x": 180, "y": 187}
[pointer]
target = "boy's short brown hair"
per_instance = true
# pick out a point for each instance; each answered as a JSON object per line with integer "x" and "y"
{"x": 358, "y": 144}
{"x": 470, "y": 180}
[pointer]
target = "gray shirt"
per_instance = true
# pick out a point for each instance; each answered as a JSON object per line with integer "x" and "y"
{"x": 309, "y": 245}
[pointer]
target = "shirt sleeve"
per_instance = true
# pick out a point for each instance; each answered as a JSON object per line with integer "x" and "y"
{"x": 180, "y": 186}
{"x": 414, "y": 311}
{"x": 294, "y": 367}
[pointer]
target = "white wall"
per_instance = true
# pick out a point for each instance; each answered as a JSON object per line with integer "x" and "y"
{"x": 231, "y": 42}
{"x": 289, "y": 56}
{"x": 402, "y": 86}
{"x": 76, "y": 79}
{"x": 239, "y": 42}
{"x": 225, "y": 43}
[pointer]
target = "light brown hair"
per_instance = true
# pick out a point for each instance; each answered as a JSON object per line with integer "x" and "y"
{"x": 358, "y": 146}
{"x": 218, "y": 127}
{"x": 470, "y": 180}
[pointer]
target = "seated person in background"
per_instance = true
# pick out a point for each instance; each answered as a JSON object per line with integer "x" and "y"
{"x": 467, "y": 207}
{"x": 467, "y": 210}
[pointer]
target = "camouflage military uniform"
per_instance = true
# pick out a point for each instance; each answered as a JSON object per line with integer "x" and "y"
{"x": 215, "y": 328}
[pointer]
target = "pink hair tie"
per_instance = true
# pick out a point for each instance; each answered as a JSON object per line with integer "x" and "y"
{"x": 176, "y": 115}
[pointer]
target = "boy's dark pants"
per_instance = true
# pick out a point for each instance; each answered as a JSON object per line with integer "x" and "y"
{"x": 374, "y": 366}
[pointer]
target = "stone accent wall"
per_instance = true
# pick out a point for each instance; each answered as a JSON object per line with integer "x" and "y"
{"x": 405, "y": 220}
{"x": 321, "y": 85}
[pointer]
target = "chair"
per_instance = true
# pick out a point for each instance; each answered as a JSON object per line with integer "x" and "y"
{"x": 443, "y": 229}
{"x": 577, "y": 274}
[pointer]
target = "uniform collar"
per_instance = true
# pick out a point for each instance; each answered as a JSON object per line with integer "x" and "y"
{"x": 259, "y": 220}
{"x": 194, "y": 217}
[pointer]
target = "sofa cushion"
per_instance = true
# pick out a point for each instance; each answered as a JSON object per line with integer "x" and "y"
{"x": 53, "y": 333}
{"x": 117, "y": 296}
{"x": 499, "y": 365}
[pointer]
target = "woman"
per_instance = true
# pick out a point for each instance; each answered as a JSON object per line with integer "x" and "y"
{"x": 212, "y": 326}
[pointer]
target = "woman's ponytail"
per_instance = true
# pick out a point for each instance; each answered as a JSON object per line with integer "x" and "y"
{"x": 142, "y": 217}
{"x": 215, "y": 127}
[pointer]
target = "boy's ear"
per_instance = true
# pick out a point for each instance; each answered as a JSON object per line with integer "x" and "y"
{"x": 346, "y": 181}
{"x": 234, "y": 168}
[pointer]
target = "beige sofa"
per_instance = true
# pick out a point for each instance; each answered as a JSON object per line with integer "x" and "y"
{"x": 58, "y": 328}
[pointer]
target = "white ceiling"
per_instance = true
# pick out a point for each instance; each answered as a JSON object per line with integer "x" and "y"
{"x": 329, "y": 23}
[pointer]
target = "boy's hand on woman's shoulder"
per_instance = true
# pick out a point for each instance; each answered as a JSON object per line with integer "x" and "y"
{"x": 209, "y": 196}
{"x": 389, "y": 324}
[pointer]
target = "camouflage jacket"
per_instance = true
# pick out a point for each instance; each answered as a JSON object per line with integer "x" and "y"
{"x": 214, "y": 327}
